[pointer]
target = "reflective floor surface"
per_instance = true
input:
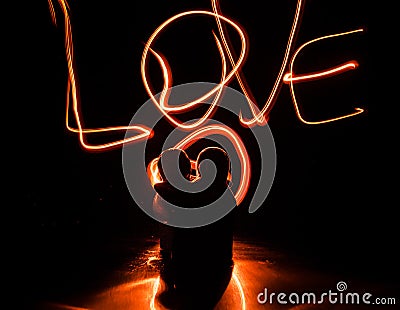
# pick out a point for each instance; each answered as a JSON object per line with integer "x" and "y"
{"x": 259, "y": 275}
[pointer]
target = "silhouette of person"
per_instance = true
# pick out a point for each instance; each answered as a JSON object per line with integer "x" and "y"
{"x": 168, "y": 192}
{"x": 214, "y": 241}
{"x": 197, "y": 261}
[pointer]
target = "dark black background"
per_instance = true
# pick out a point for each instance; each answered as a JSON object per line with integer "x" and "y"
{"x": 327, "y": 205}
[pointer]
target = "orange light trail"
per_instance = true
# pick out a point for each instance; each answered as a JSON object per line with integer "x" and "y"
{"x": 240, "y": 148}
{"x": 153, "y": 172}
{"x": 321, "y": 74}
{"x": 167, "y": 74}
{"x": 156, "y": 286}
{"x": 239, "y": 285}
{"x": 259, "y": 116}
{"x": 144, "y": 132}
{"x": 52, "y": 12}
{"x": 162, "y": 105}
{"x": 219, "y": 129}
{"x": 288, "y": 78}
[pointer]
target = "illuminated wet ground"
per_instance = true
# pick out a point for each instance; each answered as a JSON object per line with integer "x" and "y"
{"x": 138, "y": 285}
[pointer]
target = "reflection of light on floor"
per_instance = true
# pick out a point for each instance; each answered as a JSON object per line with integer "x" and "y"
{"x": 140, "y": 287}
{"x": 152, "y": 259}
{"x": 235, "y": 277}
{"x": 256, "y": 267}
{"x": 156, "y": 285}
{"x": 56, "y": 306}
{"x": 236, "y": 282}
{"x": 136, "y": 294}
{"x": 140, "y": 282}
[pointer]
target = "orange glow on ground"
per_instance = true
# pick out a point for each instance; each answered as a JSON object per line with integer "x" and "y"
{"x": 235, "y": 280}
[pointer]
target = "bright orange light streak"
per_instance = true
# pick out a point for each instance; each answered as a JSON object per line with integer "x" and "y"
{"x": 144, "y": 132}
{"x": 156, "y": 285}
{"x": 155, "y": 177}
{"x": 320, "y": 74}
{"x": 162, "y": 105}
{"x": 296, "y": 106}
{"x": 147, "y": 133}
{"x": 153, "y": 172}
{"x": 258, "y": 116}
{"x": 139, "y": 282}
{"x": 249, "y": 98}
{"x": 167, "y": 74}
{"x": 239, "y": 147}
{"x": 240, "y": 288}
{"x": 289, "y": 78}
{"x": 220, "y": 129}
{"x": 52, "y": 12}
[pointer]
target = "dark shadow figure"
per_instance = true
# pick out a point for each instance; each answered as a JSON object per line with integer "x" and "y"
{"x": 197, "y": 262}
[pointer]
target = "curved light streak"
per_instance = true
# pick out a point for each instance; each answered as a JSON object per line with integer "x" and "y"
{"x": 162, "y": 105}
{"x": 239, "y": 146}
{"x": 298, "y": 78}
{"x": 218, "y": 129}
{"x": 240, "y": 289}
{"x": 52, "y": 12}
{"x": 250, "y": 99}
{"x": 296, "y": 105}
{"x": 153, "y": 172}
{"x": 167, "y": 74}
{"x": 259, "y": 116}
{"x": 144, "y": 132}
{"x": 156, "y": 285}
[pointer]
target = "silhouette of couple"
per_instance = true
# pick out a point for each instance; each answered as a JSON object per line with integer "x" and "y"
{"x": 197, "y": 262}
